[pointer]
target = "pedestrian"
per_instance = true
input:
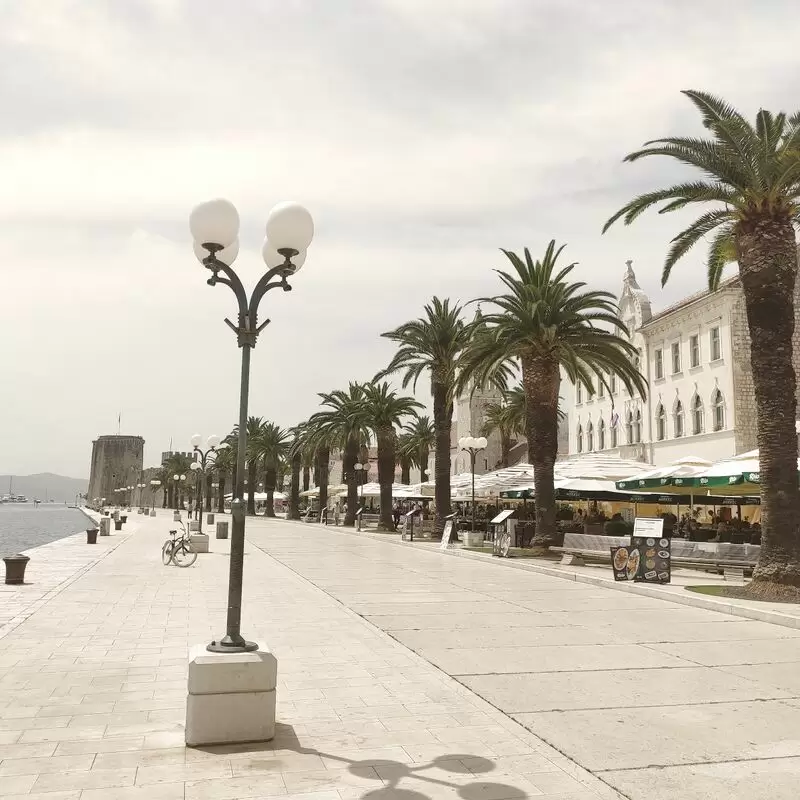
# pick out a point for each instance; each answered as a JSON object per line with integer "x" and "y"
{"x": 396, "y": 514}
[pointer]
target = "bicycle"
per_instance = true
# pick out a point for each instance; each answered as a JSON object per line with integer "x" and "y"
{"x": 178, "y": 550}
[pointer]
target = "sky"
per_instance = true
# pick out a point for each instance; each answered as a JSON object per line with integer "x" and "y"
{"x": 422, "y": 135}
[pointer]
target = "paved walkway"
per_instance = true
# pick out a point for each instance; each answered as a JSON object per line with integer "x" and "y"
{"x": 93, "y": 683}
{"x": 386, "y": 654}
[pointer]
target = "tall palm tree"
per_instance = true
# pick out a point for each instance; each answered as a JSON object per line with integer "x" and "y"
{"x": 419, "y": 439}
{"x": 271, "y": 444}
{"x": 543, "y": 324}
{"x": 317, "y": 435}
{"x": 342, "y": 425}
{"x": 405, "y": 459}
{"x": 177, "y": 464}
{"x": 224, "y": 466}
{"x": 501, "y": 417}
{"x": 253, "y": 429}
{"x": 432, "y": 344}
{"x": 297, "y": 455}
{"x": 751, "y": 189}
{"x": 165, "y": 477}
{"x": 384, "y": 411}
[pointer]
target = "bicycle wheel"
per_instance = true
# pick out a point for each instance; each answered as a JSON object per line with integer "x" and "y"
{"x": 184, "y": 555}
{"x": 166, "y": 553}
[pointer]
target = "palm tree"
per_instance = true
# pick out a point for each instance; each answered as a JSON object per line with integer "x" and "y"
{"x": 405, "y": 460}
{"x": 224, "y": 466}
{"x": 433, "y": 344}
{"x": 383, "y": 413}
{"x": 253, "y": 429}
{"x": 544, "y": 324}
{"x": 341, "y": 424}
{"x": 298, "y": 456}
{"x": 271, "y": 443}
{"x": 319, "y": 452}
{"x": 751, "y": 180}
{"x": 165, "y": 477}
{"x": 177, "y": 464}
{"x": 419, "y": 439}
{"x": 501, "y": 417}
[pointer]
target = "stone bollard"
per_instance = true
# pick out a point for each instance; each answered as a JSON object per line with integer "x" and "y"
{"x": 152, "y": 512}
{"x": 91, "y": 536}
{"x": 194, "y": 525}
{"x": 105, "y": 526}
{"x": 176, "y": 516}
{"x": 210, "y": 519}
{"x": 199, "y": 542}
{"x": 222, "y": 529}
{"x": 15, "y": 568}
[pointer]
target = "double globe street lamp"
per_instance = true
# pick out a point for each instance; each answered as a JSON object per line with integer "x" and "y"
{"x": 154, "y": 484}
{"x": 472, "y": 445}
{"x": 205, "y": 459}
{"x": 215, "y": 229}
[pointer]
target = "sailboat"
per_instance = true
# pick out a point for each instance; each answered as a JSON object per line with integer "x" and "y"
{"x": 11, "y": 497}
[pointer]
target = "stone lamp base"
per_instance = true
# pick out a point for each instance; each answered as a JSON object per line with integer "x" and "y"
{"x": 231, "y": 697}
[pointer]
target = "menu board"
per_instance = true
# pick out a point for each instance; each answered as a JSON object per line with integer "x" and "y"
{"x": 446, "y": 534}
{"x": 648, "y": 558}
{"x": 654, "y": 558}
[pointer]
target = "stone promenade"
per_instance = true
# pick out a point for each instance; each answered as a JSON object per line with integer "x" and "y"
{"x": 403, "y": 675}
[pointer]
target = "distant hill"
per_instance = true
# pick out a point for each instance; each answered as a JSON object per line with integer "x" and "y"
{"x": 45, "y": 486}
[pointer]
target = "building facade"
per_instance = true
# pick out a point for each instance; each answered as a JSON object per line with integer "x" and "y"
{"x": 695, "y": 357}
{"x": 116, "y": 461}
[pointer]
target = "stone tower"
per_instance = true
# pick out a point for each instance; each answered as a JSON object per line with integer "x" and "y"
{"x": 470, "y": 419}
{"x": 116, "y": 461}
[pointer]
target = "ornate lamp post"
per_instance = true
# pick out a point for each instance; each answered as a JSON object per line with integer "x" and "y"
{"x": 205, "y": 461}
{"x": 178, "y": 481}
{"x": 141, "y": 487}
{"x": 473, "y": 446}
{"x": 215, "y": 229}
{"x": 362, "y": 470}
{"x": 154, "y": 488}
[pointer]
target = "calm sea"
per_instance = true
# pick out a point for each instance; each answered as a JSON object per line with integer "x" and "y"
{"x": 23, "y": 525}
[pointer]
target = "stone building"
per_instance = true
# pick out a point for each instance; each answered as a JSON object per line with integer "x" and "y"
{"x": 695, "y": 356}
{"x": 116, "y": 461}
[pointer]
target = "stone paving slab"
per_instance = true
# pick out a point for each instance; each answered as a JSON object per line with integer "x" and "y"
{"x": 92, "y": 695}
{"x": 623, "y": 719}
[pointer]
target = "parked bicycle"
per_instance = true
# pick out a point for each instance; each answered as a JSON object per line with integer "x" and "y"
{"x": 178, "y": 550}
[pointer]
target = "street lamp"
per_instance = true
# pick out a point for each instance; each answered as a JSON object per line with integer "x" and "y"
{"x": 215, "y": 229}
{"x": 141, "y": 487}
{"x": 361, "y": 477}
{"x": 154, "y": 484}
{"x": 177, "y": 480}
{"x": 207, "y": 458}
{"x": 472, "y": 446}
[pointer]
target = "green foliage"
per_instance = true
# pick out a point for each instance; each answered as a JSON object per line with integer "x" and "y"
{"x": 751, "y": 171}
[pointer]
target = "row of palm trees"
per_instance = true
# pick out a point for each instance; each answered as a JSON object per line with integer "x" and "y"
{"x": 543, "y": 324}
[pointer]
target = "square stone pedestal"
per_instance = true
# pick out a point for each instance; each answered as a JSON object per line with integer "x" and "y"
{"x": 231, "y": 697}
{"x": 199, "y": 542}
{"x": 105, "y": 526}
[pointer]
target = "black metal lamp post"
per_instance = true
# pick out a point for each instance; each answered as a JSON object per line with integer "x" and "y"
{"x": 215, "y": 229}
{"x": 473, "y": 446}
{"x": 205, "y": 460}
{"x": 179, "y": 480}
{"x": 154, "y": 484}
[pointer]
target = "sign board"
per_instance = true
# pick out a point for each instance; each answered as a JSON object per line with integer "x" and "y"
{"x": 648, "y": 558}
{"x": 648, "y": 526}
{"x": 446, "y": 534}
{"x": 404, "y": 529}
{"x": 502, "y": 516}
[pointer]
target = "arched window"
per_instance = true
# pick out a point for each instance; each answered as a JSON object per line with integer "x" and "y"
{"x": 629, "y": 427}
{"x": 661, "y": 423}
{"x": 601, "y": 435}
{"x": 589, "y": 438}
{"x": 697, "y": 415}
{"x": 637, "y": 427}
{"x": 580, "y": 438}
{"x": 718, "y": 409}
{"x": 678, "y": 419}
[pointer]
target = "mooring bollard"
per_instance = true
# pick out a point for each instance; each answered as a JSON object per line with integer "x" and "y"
{"x": 91, "y": 536}
{"x": 222, "y": 529}
{"x": 15, "y": 568}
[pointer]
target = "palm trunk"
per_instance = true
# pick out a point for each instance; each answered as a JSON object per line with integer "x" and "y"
{"x": 386, "y": 461}
{"x": 541, "y": 380}
{"x": 424, "y": 455}
{"x": 405, "y": 471}
{"x": 323, "y": 457}
{"x": 505, "y": 450}
{"x": 252, "y": 466}
{"x": 209, "y": 480}
{"x": 294, "y": 491}
{"x": 269, "y": 485}
{"x": 349, "y": 460}
{"x": 442, "y": 423}
{"x": 306, "y": 477}
{"x": 221, "y": 490}
{"x": 164, "y": 499}
{"x": 767, "y": 258}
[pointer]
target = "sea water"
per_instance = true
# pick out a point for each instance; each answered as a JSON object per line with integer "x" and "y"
{"x": 25, "y": 525}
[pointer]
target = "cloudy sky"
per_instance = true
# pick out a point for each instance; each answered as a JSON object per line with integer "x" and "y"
{"x": 422, "y": 134}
